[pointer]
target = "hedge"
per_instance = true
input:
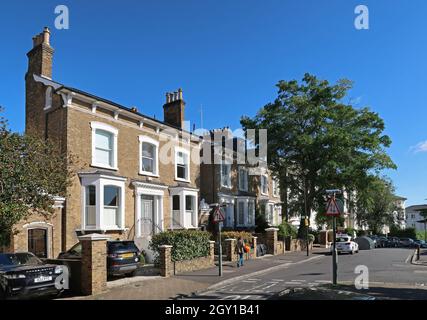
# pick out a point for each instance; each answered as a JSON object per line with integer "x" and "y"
{"x": 286, "y": 230}
{"x": 186, "y": 244}
{"x": 247, "y": 236}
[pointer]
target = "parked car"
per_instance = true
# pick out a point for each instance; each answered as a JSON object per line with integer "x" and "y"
{"x": 420, "y": 243}
{"x": 23, "y": 275}
{"x": 393, "y": 242}
{"x": 375, "y": 240}
{"x": 122, "y": 257}
{"x": 382, "y": 242}
{"x": 346, "y": 245}
{"x": 406, "y": 242}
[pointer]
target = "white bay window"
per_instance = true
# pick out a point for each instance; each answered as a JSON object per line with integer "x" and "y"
{"x": 184, "y": 206}
{"x": 104, "y": 202}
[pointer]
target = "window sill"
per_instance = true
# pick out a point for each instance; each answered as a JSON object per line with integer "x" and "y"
{"x": 227, "y": 187}
{"x": 101, "y": 166}
{"x": 182, "y": 180}
{"x": 104, "y": 229}
{"x": 149, "y": 174}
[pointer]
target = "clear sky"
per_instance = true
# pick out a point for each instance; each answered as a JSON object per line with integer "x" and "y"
{"x": 227, "y": 55}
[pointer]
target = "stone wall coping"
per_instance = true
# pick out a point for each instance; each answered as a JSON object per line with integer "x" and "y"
{"x": 254, "y": 237}
{"x": 272, "y": 229}
{"x": 94, "y": 237}
{"x": 165, "y": 246}
{"x": 230, "y": 239}
{"x": 211, "y": 241}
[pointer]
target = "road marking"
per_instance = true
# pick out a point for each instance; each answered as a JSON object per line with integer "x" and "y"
{"x": 322, "y": 281}
{"x": 408, "y": 258}
{"x": 277, "y": 280}
{"x": 261, "y": 272}
{"x": 420, "y": 271}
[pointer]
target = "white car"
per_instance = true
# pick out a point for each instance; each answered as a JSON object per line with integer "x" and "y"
{"x": 344, "y": 244}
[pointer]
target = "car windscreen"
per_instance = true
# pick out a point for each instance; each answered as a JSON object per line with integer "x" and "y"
{"x": 17, "y": 259}
{"x": 122, "y": 246}
{"x": 343, "y": 239}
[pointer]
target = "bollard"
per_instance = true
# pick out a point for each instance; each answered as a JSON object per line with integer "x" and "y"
{"x": 418, "y": 252}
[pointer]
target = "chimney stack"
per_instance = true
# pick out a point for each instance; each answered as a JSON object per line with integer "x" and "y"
{"x": 41, "y": 56}
{"x": 174, "y": 109}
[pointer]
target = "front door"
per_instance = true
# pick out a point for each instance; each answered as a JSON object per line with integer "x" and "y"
{"x": 147, "y": 216}
{"x": 37, "y": 242}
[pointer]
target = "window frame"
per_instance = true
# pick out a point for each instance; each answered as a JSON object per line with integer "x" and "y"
{"x": 114, "y": 133}
{"x": 229, "y": 184}
{"x": 155, "y": 143}
{"x": 245, "y": 187}
{"x": 101, "y": 181}
{"x": 188, "y": 171}
{"x": 266, "y": 184}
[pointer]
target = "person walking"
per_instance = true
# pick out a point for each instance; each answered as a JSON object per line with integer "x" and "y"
{"x": 240, "y": 250}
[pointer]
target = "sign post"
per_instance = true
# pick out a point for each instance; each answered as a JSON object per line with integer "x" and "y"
{"x": 333, "y": 210}
{"x": 219, "y": 218}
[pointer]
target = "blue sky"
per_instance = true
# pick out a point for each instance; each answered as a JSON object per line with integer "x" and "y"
{"x": 228, "y": 55}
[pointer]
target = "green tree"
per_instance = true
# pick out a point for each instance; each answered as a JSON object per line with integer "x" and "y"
{"x": 31, "y": 171}
{"x": 316, "y": 141}
{"x": 376, "y": 204}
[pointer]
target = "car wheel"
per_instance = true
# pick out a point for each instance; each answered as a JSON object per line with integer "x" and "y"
{"x": 352, "y": 252}
{"x": 2, "y": 294}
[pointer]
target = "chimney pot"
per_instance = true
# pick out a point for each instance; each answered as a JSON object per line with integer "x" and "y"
{"x": 46, "y": 36}
{"x": 180, "y": 94}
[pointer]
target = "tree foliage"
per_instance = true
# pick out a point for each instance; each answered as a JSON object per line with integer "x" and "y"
{"x": 32, "y": 171}
{"x": 316, "y": 141}
{"x": 376, "y": 204}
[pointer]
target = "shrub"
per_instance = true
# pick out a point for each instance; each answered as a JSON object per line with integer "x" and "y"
{"x": 246, "y": 236}
{"x": 287, "y": 230}
{"x": 403, "y": 233}
{"x": 260, "y": 222}
{"x": 350, "y": 231}
{"x": 421, "y": 235}
{"x": 186, "y": 244}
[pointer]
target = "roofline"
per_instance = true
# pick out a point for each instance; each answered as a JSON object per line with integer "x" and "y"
{"x": 97, "y": 98}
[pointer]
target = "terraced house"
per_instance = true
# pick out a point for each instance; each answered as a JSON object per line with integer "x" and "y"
{"x": 237, "y": 184}
{"x": 139, "y": 175}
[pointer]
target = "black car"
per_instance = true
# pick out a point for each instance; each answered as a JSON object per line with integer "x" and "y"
{"x": 393, "y": 242}
{"x": 23, "y": 275}
{"x": 122, "y": 257}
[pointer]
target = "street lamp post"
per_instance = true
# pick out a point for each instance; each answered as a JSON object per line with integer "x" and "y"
{"x": 334, "y": 251}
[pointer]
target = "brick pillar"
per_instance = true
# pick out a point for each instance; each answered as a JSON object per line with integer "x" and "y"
{"x": 166, "y": 267}
{"x": 230, "y": 249}
{"x": 212, "y": 252}
{"x": 271, "y": 238}
{"x": 254, "y": 242}
{"x": 94, "y": 263}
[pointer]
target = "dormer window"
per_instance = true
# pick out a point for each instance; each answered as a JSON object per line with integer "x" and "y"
{"x": 104, "y": 146}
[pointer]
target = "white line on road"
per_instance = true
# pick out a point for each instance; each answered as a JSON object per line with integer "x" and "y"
{"x": 420, "y": 271}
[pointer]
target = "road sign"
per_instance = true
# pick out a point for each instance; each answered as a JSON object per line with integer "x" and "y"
{"x": 218, "y": 216}
{"x": 332, "y": 208}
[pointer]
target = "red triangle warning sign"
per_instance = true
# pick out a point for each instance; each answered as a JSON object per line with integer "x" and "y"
{"x": 332, "y": 208}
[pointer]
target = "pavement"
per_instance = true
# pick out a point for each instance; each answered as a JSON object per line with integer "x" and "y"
{"x": 423, "y": 258}
{"x": 389, "y": 275}
{"x": 190, "y": 284}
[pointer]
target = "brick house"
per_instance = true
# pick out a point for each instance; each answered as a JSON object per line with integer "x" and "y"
{"x": 237, "y": 184}
{"x": 139, "y": 175}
